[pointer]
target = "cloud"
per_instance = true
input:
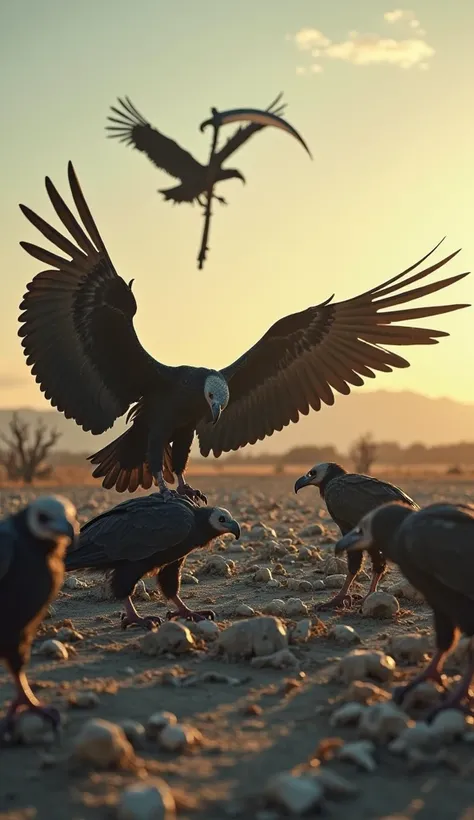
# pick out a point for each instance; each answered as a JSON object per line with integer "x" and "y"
{"x": 368, "y": 49}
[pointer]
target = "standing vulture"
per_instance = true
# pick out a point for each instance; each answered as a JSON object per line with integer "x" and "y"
{"x": 130, "y": 127}
{"x": 80, "y": 342}
{"x": 434, "y": 549}
{"x": 348, "y": 497}
{"x": 143, "y": 534}
{"x": 32, "y": 547}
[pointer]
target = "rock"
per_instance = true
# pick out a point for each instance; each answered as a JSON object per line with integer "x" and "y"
{"x": 366, "y": 663}
{"x": 206, "y": 629}
{"x": 312, "y": 531}
{"x": 189, "y": 578}
{"x": 159, "y": 721}
{"x": 104, "y": 745}
{"x": 347, "y": 715}
{"x": 424, "y": 696}
{"x": 31, "y": 729}
{"x": 134, "y": 732}
{"x": 318, "y": 584}
{"x": 361, "y": 753}
{"x": 403, "y": 589}
{"x": 333, "y": 784}
{"x": 334, "y": 581}
{"x": 410, "y": 648}
{"x": 261, "y": 533}
{"x": 171, "y": 636}
{"x": 416, "y": 736}
{"x": 217, "y": 565}
{"x": 364, "y": 692}
{"x": 244, "y": 611}
{"x": 84, "y": 700}
{"x": 282, "y": 659}
{"x": 178, "y": 736}
{"x": 301, "y": 632}
{"x": 344, "y": 635}
{"x": 71, "y": 582}
{"x": 257, "y": 637}
{"x": 293, "y": 794}
{"x": 53, "y": 649}
{"x": 449, "y": 725}
{"x": 273, "y": 584}
{"x": 275, "y": 607}
{"x": 380, "y": 605}
{"x": 305, "y": 554}
{"x": 68, "y": 634}
{"x": 152, "y": 800}
{"x": 383, "y": 722}
{"x": 335, "y": 566}
{"x": 295, "y": 606}
{"x": 263, "y": 575}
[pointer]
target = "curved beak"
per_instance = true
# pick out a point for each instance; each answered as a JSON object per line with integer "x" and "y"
{"x": 241, "y": 177}
{"x": 216, "y": 411}
{"x": 234, "y": 528}
{"x": 352, "y": 541}
{"x": 303, "y": 481}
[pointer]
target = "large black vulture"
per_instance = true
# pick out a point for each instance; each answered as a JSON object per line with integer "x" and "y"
{"x": 434, "y": 549}
{"x": 348, "y": 497}
{"x": 32, "y": 547}
{"x": 130, "y": 127}
{"x": 143, "y": 534}
{"x": 79, "y": 340}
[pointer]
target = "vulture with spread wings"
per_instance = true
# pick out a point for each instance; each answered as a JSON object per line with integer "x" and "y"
{"x": 80, "y": 342}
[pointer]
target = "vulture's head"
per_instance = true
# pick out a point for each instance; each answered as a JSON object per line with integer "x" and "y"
{"x": 221, "y": 522}
{"x": 52, "y": 518}
{"x": 231, "y": 173}
{"x": 376, "y": 529}
{"x": 217, "y": 394}
{"x": 319, "y": 473}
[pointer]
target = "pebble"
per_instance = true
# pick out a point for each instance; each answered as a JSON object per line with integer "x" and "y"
{"x": 301, "y": 632}
{"x": 344, "y": 634}
{"x": 217, "y": 565}
{"x": 380, "y": 605}
{"x": 410, "y": 648}
{"x": 295, "y": 794}
{"x": 263, "y": 575}
{"x": 171, "y": 636}
{"x": 103, "y": 744}
{"x": 257, "y": 637}
{"x": 176, "y": 737}
{"x": 244, "y": 611}
{"x": 159, "y": 721}
{"x": 366, "y": 663}
{"x": 334, "y": 581}
{"x": 134, "y": 732}
{"x": 311, "y": 531}
{"x": 152, "y": 800}
{"x": 53, "y": 649}
{"x": 295, "y": 606}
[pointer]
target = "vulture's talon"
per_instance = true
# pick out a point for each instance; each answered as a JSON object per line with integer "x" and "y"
{"x": 193, "y": 495}
{"x": 194, "y": 615}
{"x": 338, "y": 602}
{"x": 147, "y": 622}
{"x": 167, "y": 494}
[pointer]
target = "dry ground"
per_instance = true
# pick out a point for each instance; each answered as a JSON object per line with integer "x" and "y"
{"x": 245, "y": 745}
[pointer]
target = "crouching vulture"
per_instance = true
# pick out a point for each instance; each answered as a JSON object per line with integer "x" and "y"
{"x": 80, "y": 342}
{"x": 33, "y": 542}
{"x": 434, "y": 549}
{"x": 144, "y": 534}
{"x": 348, "y": 497}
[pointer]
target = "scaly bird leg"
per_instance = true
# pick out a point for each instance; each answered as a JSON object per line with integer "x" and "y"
{"x": 184, "y": 489}
{"x": 376, "y": 576}
{"x": 432, "y": 672}
{"x": 26, "y": 701}
{"x": 165, "y": 491}
{"x": 455, "y": 698}
{"x": 183, "y": 611}
{"x": 131, "y": 617}
{"x": 342, "y": 599}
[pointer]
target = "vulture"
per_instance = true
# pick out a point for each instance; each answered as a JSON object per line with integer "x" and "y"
{"x": 143, "y": 534}
{"x": 434, "y": 549}
{"x": 348, "y": 497}
{"x": 33, "y": 543}
{"x": 131, "y": 128}
{"x": 80, "y": 342}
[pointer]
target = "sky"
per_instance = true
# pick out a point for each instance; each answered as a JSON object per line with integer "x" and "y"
{"x": 381, "y": 93}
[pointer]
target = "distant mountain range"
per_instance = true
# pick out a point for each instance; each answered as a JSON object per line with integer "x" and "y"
{"x": 404, "y": 417}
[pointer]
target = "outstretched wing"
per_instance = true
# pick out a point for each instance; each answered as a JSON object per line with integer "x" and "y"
{"x": 131, "y": 531}
{"x": 133, "y": 129}
{"x": 304, "y": 357}
{"x": 245, "y": 132}
{"x": 77, "y": 322}
{"x": 440, "y": 541}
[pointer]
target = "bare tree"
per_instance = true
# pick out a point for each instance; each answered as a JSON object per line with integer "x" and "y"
{"x": 363, "y": 453}
{"x": 24, "y": 457}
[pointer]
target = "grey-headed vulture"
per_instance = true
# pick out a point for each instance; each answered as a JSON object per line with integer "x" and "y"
{"x": 80, "y": 342}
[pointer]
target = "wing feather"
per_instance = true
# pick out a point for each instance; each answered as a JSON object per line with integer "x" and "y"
{"x": 245, "y": 132}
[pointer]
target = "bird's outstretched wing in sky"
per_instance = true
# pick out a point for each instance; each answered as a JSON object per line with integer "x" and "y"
{"x": 77, "y": 322}
{"x": 133, "y": 129}
{"x": 305, "y": 357}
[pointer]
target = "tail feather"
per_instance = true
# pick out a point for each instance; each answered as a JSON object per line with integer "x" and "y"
{"x": 123, "y": 463}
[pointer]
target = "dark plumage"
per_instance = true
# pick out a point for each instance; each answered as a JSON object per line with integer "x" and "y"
{"x": 79, "y": 340}
{"x": 348, "y": 497}
{"x": 133, "y": 129}
{"x": 142, "y": 535}
{"x": 434, "y": 549}
{"x": 32, "y": 547}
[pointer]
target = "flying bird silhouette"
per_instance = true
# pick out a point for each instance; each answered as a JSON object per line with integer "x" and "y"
{"x": 80, "y": 342}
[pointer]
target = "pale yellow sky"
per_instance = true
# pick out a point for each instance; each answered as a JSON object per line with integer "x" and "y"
{"x": 388, "y": 118}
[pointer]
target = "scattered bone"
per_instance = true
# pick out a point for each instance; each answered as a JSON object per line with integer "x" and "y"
{"x": 410, "y": 648}
{"x": 347, "y": 715}
{"x": 301, "y": 632}
{"x": 383, "y": 722}
{"x": 179, "y": 736}
{"x": 334, "y": 581}
{"x": 380, "y": 605}
{"x": 152, "y": 800}
{"x": 293, "y": 794}
{"x": 365, "y": 663}
{"x": 159, "y": 721}
{"x": 295, "y": 606}
{"x": 171, "y": 636}
{"x": 140, "y": 592}
{"x": 403, "y": 589}
{"x": 53, "y": 649}
{"x": 263, "y": 575}
{"x": 360, "y": 753}
{"x": 343, "y": 634}
{"x": 257, "y": 637}
{"x": 104, "y": 745}
{"x": 282, "y": 659}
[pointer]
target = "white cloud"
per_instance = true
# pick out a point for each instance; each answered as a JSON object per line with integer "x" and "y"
{"x": 370, "y": 49}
